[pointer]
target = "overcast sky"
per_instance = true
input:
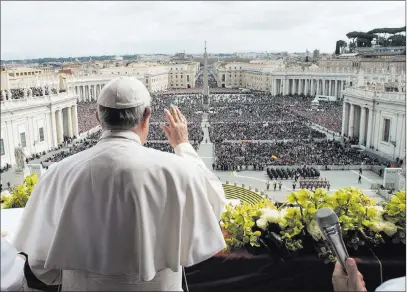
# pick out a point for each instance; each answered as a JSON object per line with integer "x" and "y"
{"x": 62, "y": 29}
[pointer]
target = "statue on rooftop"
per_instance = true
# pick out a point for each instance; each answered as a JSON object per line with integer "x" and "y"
{"x": 20, "y": 157}
{"x": 361, "y": 78}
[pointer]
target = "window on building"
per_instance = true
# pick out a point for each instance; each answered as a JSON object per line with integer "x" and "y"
{"x": 386, "y": 130}
{"x": 41, "y": 131}
{"x": 22, "y": 140}
{"x": 187, "y": 78}
{"x": 2, "y": 152}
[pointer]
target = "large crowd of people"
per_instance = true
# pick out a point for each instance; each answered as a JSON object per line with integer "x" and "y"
{"x": 262, "y": 107}
{"x": 257, "y": 154}
{"x": 219, "y": 132}
{"x": 86, "y": 116}
{"x": 328, "y": 115}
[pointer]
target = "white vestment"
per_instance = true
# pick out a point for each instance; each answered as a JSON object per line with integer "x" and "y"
{"x": 119, "y": 214}
{"x": 12, "y": 268}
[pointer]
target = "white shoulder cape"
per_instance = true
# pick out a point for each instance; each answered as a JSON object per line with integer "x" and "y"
{"x": 90, "y": 213}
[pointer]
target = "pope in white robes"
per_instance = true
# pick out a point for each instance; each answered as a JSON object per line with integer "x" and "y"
{"x": 120, "y": 216}
{"x": 12, "y": 267}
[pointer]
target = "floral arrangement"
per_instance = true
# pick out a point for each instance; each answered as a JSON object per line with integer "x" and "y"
{"x": 395, "y": 212}
{"x": 292, "y": 227}
{"x": 19, "y": 195}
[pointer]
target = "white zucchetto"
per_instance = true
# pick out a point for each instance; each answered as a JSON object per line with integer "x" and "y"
{"x": 124, "y": 92}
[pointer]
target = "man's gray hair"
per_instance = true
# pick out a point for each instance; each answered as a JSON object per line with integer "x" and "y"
{"x": 124, "y": 119}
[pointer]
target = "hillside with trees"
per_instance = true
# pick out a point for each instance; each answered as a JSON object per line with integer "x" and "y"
{"x": 384, "y": 37}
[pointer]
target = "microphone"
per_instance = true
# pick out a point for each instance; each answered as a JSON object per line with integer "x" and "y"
{"x": 328, "y": 222}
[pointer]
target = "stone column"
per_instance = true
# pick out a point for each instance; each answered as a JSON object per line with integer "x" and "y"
{"x": 74, "y": 117}
{"x": 275, "y": 87}
{"x": 351, "y": 120}
{"x": 306, "y": 86}
{"x": 312, "y": 86}
{"x": 60, "y": 128}
{"x": 69, "y": 121}
{"x": 323, "y": 87}
{"x": 54, "y": 129}
{"x": 344, "y": 119}
{"x": 318, "y": 85}
{"x": 300, "y": 86}
{"x": 89, "y": 95}
{"x": 329, "y": 87}
{"x": 369, "y": 128}
{"x": 362, "y": 127}
{"x": 336, "y": 88}
{"x": 292, "y": 85}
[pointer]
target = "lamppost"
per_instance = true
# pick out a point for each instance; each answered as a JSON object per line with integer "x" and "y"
{"x": 35, "y": 151}
{"x": 394, "y": 143}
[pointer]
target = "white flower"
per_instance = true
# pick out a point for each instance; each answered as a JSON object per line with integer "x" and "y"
{"x": 378, "y": 226}
{"x": 271, "y": 215}
{"x": 262, "y": 223}
{"x": 378, "y": 211}
{"x": 314, "y": 230}
{"x": 378, "y": 208}
{"x": 389, "y": 228}
{"x": 5, "y": 193}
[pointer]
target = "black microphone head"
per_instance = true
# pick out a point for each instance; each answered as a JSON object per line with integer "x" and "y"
{"x": 326, "y": 217}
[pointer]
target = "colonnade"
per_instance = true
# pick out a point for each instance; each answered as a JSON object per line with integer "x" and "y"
{"x": 308, "y": 86}
{"x": 64, "y": 124}
{"x": 88, "y": 92}
{"x": 357, "y": 122}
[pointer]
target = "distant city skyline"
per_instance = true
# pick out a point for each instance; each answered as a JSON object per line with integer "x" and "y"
{"x": 31, "y": 30}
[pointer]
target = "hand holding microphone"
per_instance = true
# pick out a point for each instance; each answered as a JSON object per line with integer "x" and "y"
{"x": 352, "y": 280}
{"x": 328, "y": 222}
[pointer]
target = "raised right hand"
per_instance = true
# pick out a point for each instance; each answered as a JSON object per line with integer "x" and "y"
{"x": 177, "y": 130}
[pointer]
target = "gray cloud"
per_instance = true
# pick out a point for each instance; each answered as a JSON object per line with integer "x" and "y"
{"x": 54, "y": 29}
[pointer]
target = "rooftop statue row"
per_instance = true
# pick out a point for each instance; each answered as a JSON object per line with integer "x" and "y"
{"x": 28, "y": 92}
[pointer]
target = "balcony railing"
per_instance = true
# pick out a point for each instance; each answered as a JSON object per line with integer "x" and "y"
{"x": 35, "y": 100}
{"x": 389, "y": 96}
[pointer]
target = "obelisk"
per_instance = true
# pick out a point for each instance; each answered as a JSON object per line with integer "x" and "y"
{"x": 205, "y": 91}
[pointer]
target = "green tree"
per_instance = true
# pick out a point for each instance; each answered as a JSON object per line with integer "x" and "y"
{"x": 386, "y": 33}
{"x": 397, "y": 40}
{"x": 340, "y": 44}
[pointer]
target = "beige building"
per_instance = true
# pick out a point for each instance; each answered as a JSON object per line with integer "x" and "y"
{"x": 182, "y": 75}
{"x": 24, "y": 72}
{"x": 279, "y": 79}
{"x": 155, "y": 76}
{"x": 375, "y": 113}
{"x": 374, "y": 59}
